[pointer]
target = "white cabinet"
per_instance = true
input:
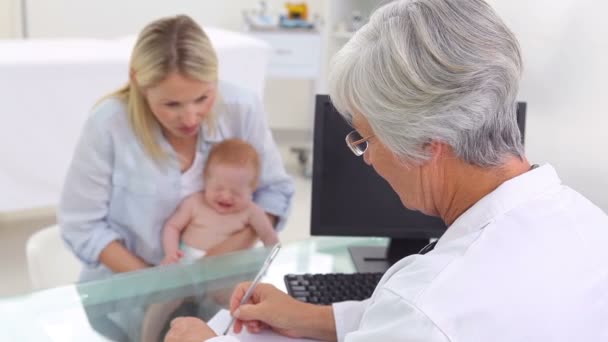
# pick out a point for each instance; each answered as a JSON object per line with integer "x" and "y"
{"x": 294, "y": 74}
{"x": 295, "y": 55}
{"x": 305, "y": 55}
{"x": 337, "y": 17}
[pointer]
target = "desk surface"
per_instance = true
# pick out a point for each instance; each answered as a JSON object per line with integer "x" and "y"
{"x": 139, "y": 306}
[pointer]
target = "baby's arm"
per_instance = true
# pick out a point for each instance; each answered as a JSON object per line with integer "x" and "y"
{"x": 173, "y": 229}
{"x": 260, "y": 222}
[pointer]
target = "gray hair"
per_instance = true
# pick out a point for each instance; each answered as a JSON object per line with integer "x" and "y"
{"x": 443, "y": 70}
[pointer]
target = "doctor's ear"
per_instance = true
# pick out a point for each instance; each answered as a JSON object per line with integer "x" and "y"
{"x": 437, "y": 149}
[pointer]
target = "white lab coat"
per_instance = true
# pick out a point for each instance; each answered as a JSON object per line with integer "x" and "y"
{"x": 525, "y": 263}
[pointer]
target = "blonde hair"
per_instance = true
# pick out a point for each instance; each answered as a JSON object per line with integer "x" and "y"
{"x": 167, "y": 45}
{"x": 234, "y": 152}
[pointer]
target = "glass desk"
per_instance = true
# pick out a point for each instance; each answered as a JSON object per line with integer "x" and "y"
{"x": 138, "y": 306}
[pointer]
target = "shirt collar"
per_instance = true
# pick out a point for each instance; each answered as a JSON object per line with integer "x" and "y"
{"x": 510, "y": 194}
{"x": 210, "y": 135}
{"x": 206, "y": 136}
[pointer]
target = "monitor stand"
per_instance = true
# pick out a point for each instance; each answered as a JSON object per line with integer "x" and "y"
{"x": 379, "y": 259}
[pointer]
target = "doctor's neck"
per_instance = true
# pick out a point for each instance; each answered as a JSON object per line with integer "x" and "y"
{"x": 466, "y": 184}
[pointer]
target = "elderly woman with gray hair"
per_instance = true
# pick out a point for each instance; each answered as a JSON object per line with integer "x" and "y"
{"x": 430, "y": 88}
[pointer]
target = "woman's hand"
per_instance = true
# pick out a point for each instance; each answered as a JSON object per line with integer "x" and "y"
{"x": 271, "y": 308}
{"x": 241, "y": 240}
{"x": 189, "y": 329}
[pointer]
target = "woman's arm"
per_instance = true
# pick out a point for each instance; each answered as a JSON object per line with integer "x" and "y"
{"x": 85, "y": 199}
{"x": 276, "y": 188}
{"x": 241, "y": 240}
{"x": 117, "y": 258}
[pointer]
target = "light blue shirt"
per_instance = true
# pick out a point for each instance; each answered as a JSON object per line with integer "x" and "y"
{"x": 115, "y": 191}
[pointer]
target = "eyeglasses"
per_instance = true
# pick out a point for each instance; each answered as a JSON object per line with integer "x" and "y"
{"x": 357, "y": 143}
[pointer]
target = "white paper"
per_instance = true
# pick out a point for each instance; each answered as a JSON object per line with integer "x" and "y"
{"x": 220, "y": 321}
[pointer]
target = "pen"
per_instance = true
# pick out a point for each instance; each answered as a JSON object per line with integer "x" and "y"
{"x": 255, "y": 282}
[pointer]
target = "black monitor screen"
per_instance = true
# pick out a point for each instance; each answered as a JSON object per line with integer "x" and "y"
{"x": 348, "y": 197}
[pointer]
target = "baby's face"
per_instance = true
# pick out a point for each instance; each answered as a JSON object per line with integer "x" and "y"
{"x": 228, "y": 189}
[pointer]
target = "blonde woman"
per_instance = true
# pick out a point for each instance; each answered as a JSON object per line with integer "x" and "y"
{"x": 144, "y": 146}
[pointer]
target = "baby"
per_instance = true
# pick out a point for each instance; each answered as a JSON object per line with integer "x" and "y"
{"x": 207, "y": 218}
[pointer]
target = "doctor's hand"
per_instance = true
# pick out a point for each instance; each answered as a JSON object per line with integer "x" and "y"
{"x": 189, "y": 329}
{"x": 271, "y": 308}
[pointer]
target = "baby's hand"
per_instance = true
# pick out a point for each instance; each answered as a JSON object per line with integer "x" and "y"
{"x": 172, "y": 258}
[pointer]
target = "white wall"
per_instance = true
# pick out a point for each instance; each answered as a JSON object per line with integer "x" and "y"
{"x": 565, "y": 82}
{"x": 110, "y": 18}
{"x": 8, "y": 16}
{"x": 288, "y": 102}
{"x": 565, "y": 44}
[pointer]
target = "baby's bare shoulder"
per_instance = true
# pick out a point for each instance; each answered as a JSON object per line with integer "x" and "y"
{"x": 196, "y": 201}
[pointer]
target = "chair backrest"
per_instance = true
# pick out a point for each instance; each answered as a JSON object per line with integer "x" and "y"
{"x": 50, "y": 263}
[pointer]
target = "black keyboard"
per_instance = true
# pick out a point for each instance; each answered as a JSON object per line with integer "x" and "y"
{"x": 331, "y": 288}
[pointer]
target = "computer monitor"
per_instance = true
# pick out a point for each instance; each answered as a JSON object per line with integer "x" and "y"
{"x": 350, "y": 199}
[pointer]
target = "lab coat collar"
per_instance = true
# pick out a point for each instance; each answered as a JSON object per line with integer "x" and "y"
{"x": 510, "y": 194}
